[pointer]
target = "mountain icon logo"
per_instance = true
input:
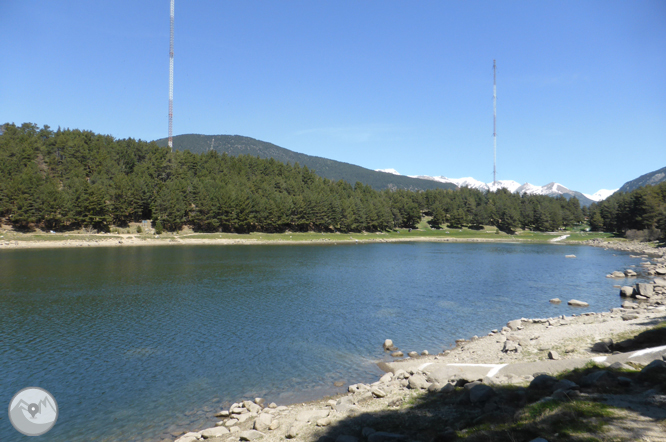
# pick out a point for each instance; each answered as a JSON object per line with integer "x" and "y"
{"x": 33, "y": 411}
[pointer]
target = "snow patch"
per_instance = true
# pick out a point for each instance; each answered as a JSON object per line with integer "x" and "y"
{"x": 392, "y": 171}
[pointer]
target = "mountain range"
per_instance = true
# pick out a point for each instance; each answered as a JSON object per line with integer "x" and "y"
{"x": 651, "y": 178}
{"x": 334, "y": 170}
{"x": 385, "y": 178}
{"x": 551, "y": 189}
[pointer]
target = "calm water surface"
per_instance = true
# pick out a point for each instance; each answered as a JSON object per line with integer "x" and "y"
{"x": 137, "y": 342}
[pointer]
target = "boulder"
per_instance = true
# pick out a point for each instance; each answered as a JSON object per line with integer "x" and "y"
{"x": 620, "y": 366}
{"x": 386, "y": 378}
{"x": 660, "y": 270}
{"x": 617, "y": 274}
{"x": 412, "y": 354}
{"x": 513, "y": 325}
{"x": 397, "y": 354}
{"x": 543, "y": 382}
{"x": 565, "y": 385}
{"x": 644, "y": 289}
{"x": 480, "y": 393}
{"x": 510, "y": 347}
{"x": 222, "y": 413}
{"x": 626, "y": 291}
{"x": 555, "y": 301}
{"x": 424, "y": 353}
{"x": 603, "y": 346}
{"x": 294, "y": 430}
{"x": 263, "y": 422}
{"x": 323, "y": 422}
{"x": 214, "y": 432}
{"x": 376, "y": 392}
{"x": 569, "y": 256}
{"x": 655, "y": 369}
{"x": 577, "y": 303}
{"x": 601, "y": 378}
{"x": 418, "y": 382}
{"x": 629, "y": 316}
{"x": 275, "y": 424}
{"x": 553, "y": 355}
{"x": 231, "y": 422}
{"x": 388, "y": 344}
{"x": 252, "y": 407}
{"x": 251, "y": 435}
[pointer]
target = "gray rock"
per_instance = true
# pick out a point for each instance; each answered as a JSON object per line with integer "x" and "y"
{"x": 344, "y": 405}
{"x": 645, "y": 289}
{"x": 272, "y": 405}
{"x": 380, "y": 436}
{"x": 386, "y": 378}
{"x": 275, "y": 424}
{"x": 323, "y": 422}
{"x": 543, "y": 382}
{"x": 397, "y": 354}
{"x": 620, "y": 366}
{"x": 617, "y": 274}
{"x": 510, "y": 347}
{"x": 214, "y": 432}
{"x": 553, "y": 355}
{"x": 251, "y": 435}
{"x": 294, "y": 430}
{"x": 243, "y": 417}
{"x": 569, "y": 256}
{"x": 656, "y": 367}
{"x": 251, "y": 407}
{"x": 448, "y": 388}
{"x": 565, "y": 385}
{"x": 231, "y": 422}
{"x": 222, "y": 413}
{"x": 424, "y": 353}
{"x": 388, "y": 344}
{"x": 434, "y": 387}
{"x": 555, "y": 301}
{"x": 480, "y": 393}
{"x": 412, "y": 354}
{"x": 418, "y": 382}
{"x": 627, "y": 291}
{"x": 577, "y": 303}
{"x": 513, "y": 325}
{"x": 629, "y": 316}
{"x": 603, "y": 346}
{"x": 263, "y": 422}
{"x": 601, "y": 378}
{"x": 376, "y": 392}
{"x": 259, "y": 401}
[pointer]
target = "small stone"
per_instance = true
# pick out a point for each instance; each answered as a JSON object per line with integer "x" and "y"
{"x": 630, "y": 317}
{"x": 626, "y": 291}
{"x": 231, "y": 422}
{"x": 388, "y": 344}
{"x": 555, "y": 301}
{"x": 272, "y": 405}
{"x": 513, "y": 325}
{"x": 222, "y": 413}
{"x": 424, "y": 353}
{"x": 259, "y": 401}
{"x": 412, "y": 354}
{"x": 324, "y": 422}
{"x": 397, "y": 354}
{"x": 577, "y": 303}
{"x": 569, "y": 256}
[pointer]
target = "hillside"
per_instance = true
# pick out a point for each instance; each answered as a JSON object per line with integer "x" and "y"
{"x": 235, "y": 145}
{"x": 651, "y": 178}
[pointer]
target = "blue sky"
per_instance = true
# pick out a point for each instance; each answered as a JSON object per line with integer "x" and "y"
{"x": 382, "y": 84}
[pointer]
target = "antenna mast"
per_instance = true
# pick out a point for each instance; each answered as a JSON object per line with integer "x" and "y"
{"x": 494, "y": 124}
{"x": 171, "y": 82}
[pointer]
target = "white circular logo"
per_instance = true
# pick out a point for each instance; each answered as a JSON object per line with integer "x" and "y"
{"x": 33, "y": 411}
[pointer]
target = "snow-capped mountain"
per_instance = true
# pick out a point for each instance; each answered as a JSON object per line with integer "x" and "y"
{"x": 550, "y": 189}
{"x": 601, "y": 195}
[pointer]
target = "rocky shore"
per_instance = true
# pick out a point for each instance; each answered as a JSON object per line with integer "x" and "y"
{"x": 613, "y": 358}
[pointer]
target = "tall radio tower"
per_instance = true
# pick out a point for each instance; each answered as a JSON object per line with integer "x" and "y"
{"x": 171, "y": 82}
{"x": 494, "y": 124}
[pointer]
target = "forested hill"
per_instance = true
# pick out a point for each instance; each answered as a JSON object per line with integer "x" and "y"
{"x": 648, "y": 179}
{"x": 235, "y": 145}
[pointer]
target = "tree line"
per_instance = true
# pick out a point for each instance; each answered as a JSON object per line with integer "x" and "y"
{"x": 68, "y": 179}
{"x": 641, "y": 210}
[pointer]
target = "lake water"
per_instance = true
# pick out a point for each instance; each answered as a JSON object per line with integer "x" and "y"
{"x": 137, "y": 342}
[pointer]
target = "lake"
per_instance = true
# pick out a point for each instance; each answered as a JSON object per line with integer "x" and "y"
{"x": 137, "y": 342}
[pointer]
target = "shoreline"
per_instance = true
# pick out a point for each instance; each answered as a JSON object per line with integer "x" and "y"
{"x": 136, "y": 240}
{"x": 510, "y": 356}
